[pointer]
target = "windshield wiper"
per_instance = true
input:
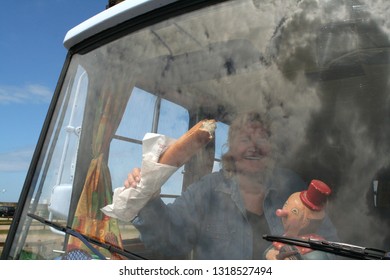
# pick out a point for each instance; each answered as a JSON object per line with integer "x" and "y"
{"x": 88, "y": 240}
{"x": 337, "y": 248}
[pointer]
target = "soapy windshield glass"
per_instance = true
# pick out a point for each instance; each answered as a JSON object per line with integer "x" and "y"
{"x": 299, "y": 91}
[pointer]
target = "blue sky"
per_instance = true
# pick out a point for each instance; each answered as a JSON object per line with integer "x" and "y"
{"x": 32, "y": 55}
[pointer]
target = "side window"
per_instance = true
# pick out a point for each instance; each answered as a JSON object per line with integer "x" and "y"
{"x": 69, "y": 133}
{"x": 155, "y": 115}
{"x": 59, "y": 178}
{"x": 173, "y": 122}
{"x": 221, "y": 134}
{"x": 126, "y": 146}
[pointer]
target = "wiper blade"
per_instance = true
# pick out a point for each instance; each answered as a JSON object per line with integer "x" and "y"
{"x": 337, "y": 248}
{"x": 86, "y": 239}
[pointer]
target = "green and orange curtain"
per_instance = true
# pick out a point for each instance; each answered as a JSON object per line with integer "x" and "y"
{"x": 97, "y": 190}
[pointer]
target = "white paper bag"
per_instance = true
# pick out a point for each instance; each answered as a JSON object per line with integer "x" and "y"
{"x": 127, "y": 202}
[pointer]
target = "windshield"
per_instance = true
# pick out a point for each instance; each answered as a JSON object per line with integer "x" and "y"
{"x": 312, "y": 79}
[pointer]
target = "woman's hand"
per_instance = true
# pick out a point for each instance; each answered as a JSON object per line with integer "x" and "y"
{"x": 133, "y": 178}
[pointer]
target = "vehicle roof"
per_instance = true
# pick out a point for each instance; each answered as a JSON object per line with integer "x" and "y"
{"x": 110, "y": 18}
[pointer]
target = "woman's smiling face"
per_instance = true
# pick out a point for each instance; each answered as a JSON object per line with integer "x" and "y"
{"x": 251, "y": 149}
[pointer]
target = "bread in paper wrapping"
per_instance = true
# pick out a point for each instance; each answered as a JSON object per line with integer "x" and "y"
{"x": 188, "y": 144}
{"x": 161, "y": 157}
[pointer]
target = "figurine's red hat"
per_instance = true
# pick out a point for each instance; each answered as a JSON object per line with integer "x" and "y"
{"x": 316, "y": 195}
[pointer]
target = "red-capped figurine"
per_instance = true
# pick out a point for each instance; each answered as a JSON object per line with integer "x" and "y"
{"x": 301, "y": 216}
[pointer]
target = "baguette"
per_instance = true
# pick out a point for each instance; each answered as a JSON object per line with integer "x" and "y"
{"x": 189, "y": 143}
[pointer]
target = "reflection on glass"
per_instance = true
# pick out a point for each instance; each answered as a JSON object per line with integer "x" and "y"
{"x": 318, "y": 71}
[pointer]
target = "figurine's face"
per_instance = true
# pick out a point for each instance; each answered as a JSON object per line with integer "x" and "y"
{"x": 293, "y": 215}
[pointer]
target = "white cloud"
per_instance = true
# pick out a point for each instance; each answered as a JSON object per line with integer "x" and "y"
{"x": 31, "y": 93}
{"x": 16, "y": 160}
